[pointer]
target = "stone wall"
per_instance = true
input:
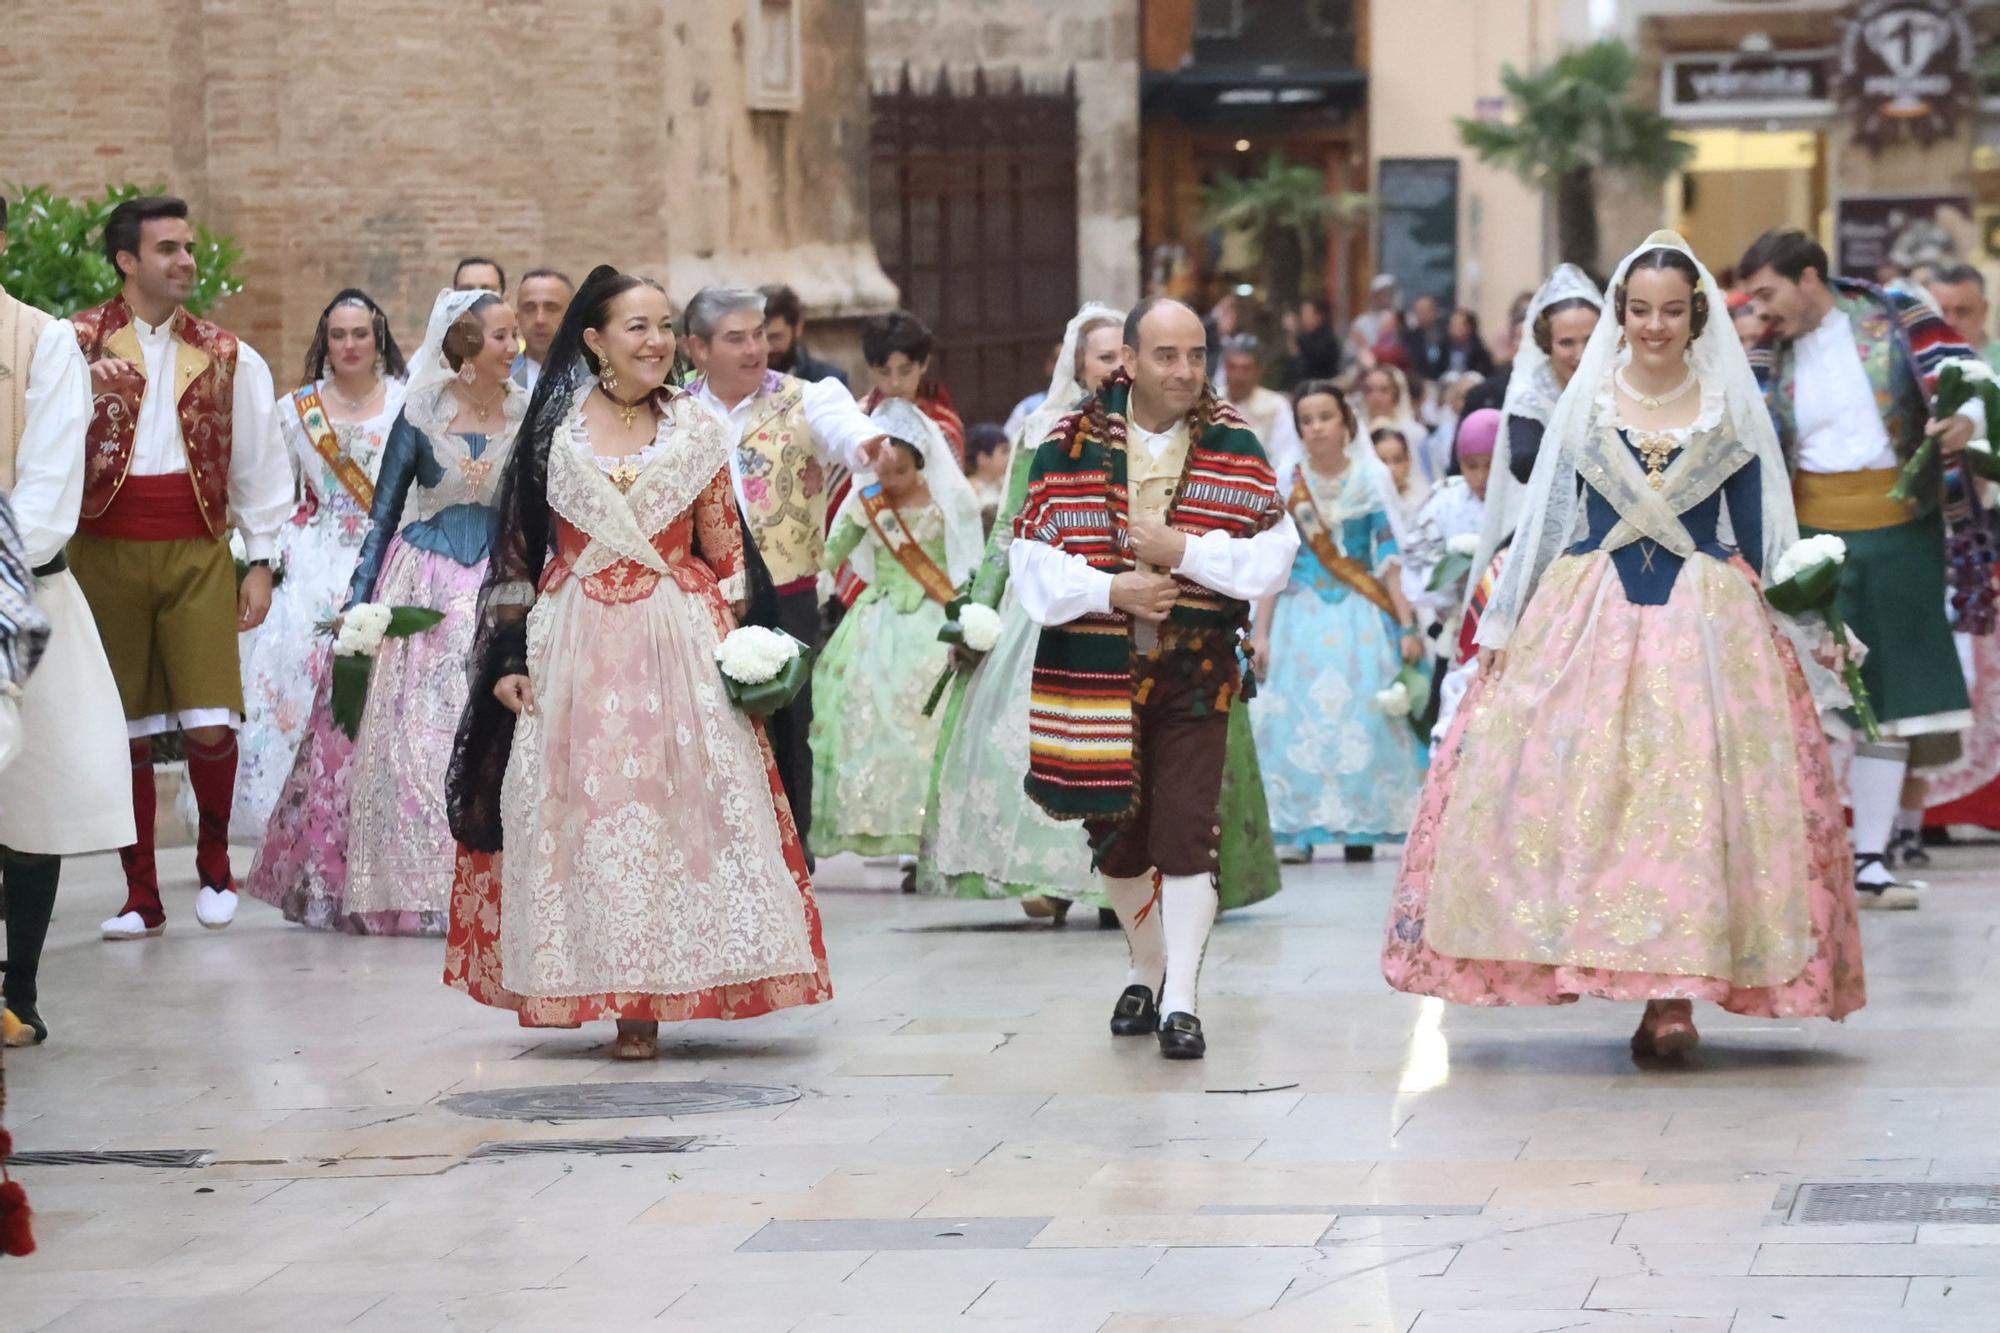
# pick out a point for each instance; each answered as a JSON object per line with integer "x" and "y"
{"x": 371, "y": 142}
{"x": 1043, "y": 40}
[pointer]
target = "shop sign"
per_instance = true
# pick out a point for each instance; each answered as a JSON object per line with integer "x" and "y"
{"x": 1905, "y": 69}
{"x": 1906, "y": 230}
{"x": 1729, "y": 85}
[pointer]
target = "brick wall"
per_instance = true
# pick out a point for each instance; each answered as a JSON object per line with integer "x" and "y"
{"x": 372, "y": 142}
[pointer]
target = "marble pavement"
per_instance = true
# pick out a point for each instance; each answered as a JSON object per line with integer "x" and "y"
{"x": 970, "y": 1148}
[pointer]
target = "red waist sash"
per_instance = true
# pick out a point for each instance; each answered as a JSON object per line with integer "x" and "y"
{"x": 151, "y": 509}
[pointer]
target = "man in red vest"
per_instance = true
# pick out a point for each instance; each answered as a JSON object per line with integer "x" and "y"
{"x": 181, "y": 444}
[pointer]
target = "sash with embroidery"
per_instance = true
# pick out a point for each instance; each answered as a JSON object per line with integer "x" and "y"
{"x": 1320, "y": 539}
{"x": 319, "y": 431}
{"x": 894, "y": 535}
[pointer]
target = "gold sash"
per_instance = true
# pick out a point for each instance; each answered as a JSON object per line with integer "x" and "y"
{"x": 894, "y": 534}
{"x": 1848, "y": 501}
{"x": 326, "y": 443}
{"x": 1320, "y": 539}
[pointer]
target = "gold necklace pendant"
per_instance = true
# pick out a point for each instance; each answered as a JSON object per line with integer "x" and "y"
{"x": 625, "y": 475}
{"x": 1654, "y": 451}
{"x": 627, "y": 412}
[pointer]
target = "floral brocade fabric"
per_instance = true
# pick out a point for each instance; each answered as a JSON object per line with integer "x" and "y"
{"x": 652, "y": 870}
{"x": 1679, "y": 835}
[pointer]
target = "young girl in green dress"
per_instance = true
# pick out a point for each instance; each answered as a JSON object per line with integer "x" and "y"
{"x": 911, "y": 531}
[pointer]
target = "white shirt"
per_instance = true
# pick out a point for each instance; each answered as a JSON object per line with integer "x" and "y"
{"x": 1055, "y": 586}
{"x": 262, "y": 490}
{"x": 1839, "y": 422}
{"x": 48, "y": 462}
{"x": 838, "y": 425}
{"x": 527, "y": 372}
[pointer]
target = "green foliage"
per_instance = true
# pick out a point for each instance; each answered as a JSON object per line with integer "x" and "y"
{"x": 1574, "y": 115}
{"x": 1287, "y": 211}
{"x": 1285, "y": 197}
{"x": 54, "y": 260}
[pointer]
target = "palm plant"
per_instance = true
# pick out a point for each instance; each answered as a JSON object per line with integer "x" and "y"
{"x": 54, "y": 258}
{"x": 1572, "y": 120}
{"x": 1289, "y": 211}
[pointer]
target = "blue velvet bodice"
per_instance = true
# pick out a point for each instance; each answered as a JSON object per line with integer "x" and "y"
{"x": 1648, "y": 570}
{"x": 462, "y": 531}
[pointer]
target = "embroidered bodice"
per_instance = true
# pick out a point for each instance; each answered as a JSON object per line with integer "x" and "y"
{"x": 1647, "y": 569}
{"x": 926, "y": 524}
{"x": 436, "y": 489}
{"x": 677, "y": 519}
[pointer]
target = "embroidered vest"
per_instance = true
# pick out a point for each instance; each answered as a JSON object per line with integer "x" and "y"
{"x": 784, "y": 483}
{"x": 204, "y": 391}
{"x": 21, "y": 325}
{"x": 1882, "y": 341}
{"x": 1088, "y": 672}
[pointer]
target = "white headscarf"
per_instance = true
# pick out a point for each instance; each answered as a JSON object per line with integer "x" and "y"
{"x": 431, "y": 374}
{"x": 1532, "y": 392}
{"x": 1583, "y": 445}
{"x": 964, "y": 533}
{"x": 1066, "y": 391}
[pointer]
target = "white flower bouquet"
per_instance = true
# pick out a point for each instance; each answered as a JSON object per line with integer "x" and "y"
{"x": 1407, "y": 696}
{"x": 1456, "y": 566}
{"x": 358, "y": 633}
{"x": 971, "y": 628}
{"x": 1807, "y": 578}
{"x": 763, "y": 669}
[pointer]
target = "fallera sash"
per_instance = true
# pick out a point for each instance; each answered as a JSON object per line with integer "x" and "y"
{"x": 1320, "y": 540}
{"x": 326, "y": 443}
{"x": 894, "y": 535}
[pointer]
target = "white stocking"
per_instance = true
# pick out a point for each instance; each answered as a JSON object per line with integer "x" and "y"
{"x": 1189, "y": 905}
{"x": 1875, "y": 790}
{"x": 1132, "y": 899}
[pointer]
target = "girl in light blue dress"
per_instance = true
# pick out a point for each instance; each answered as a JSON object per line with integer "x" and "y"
{"x": 1340, "y": 766}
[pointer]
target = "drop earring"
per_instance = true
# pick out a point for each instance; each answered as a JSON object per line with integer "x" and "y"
{"x": 605, "y": 375}
{"x": 466, "y": 373}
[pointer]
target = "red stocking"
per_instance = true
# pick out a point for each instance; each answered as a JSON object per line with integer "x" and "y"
{"x": 212, "y": 774}
{"x": 142, "y": 876}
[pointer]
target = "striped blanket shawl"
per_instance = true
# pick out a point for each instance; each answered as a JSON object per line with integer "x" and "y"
{"x": 1083, "y": 761}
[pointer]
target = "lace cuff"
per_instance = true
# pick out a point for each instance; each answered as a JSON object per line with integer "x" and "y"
{"x": 736, "y": 587}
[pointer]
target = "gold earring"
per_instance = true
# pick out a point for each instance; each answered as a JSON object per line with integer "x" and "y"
{"x": 605, "y": 374}
{"x": 1621, "y": 340}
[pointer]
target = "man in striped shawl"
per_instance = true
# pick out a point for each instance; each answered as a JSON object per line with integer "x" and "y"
{"x": 1151, "y": 522}
{"x": 1850, "y": 372}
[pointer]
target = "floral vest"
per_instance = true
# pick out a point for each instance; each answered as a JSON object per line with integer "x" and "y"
{"x": 21, "y": 326}
{"x": 784, "y": 483}
{"x": 1089, "y": 672}
{"x": 204, "y": 389}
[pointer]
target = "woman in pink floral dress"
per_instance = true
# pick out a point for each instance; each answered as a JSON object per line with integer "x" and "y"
{"x": 1635, "y": 801}
{"x": 651, "y": 869}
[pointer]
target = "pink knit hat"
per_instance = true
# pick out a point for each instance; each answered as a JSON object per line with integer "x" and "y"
{"x": 1478, "y": 434}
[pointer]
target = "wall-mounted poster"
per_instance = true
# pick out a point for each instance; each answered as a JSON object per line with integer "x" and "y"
{"x": 1416, "y": 202}
{"x": 1873, "y": 231}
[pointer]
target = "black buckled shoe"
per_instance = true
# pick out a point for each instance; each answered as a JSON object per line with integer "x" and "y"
{"x": 1181, "y": 1039}
{"x": 1136, "y": 1013}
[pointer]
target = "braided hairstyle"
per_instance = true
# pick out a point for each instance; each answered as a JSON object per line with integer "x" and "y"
{"x": 1667, "y": 259}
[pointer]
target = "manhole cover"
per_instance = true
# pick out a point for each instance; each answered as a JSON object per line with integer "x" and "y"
{"x": 177, "y": 1158}
{"x": 1897, "y": 1201}
{"x": 588, "y": 1147}
{"x": 617, "y": 1101}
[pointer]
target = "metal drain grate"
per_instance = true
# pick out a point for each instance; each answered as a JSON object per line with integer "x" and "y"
{"x": 1897, "y": 1201}
{"x": 588, "y": 1147}
{"x": 617, "y": 1101}
{"x": 176, "y": 1158}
